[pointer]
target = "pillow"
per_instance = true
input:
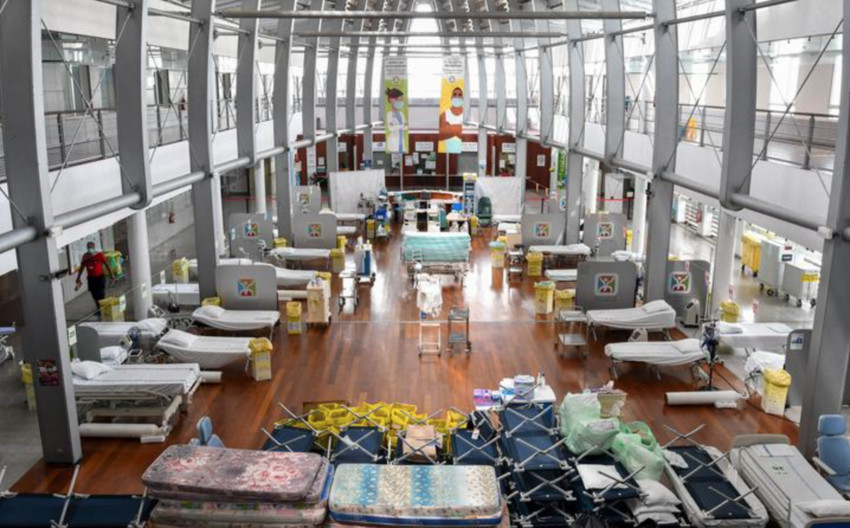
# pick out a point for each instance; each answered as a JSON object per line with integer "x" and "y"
{"x": 655, "y": 307}
{"x": 826, "y": 508}
{"x": 153, "y": 325}
{"x": 729, "y": 328}
{"x": 594, "y": 476}
{"x": 89, "y": 370}
{"x": 179, "y": 338}
{"x": 213, "y": 312}
{"x": 111, "y": 353}
{"x": 657, "y": 494}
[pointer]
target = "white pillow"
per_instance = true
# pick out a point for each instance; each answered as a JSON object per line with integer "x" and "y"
{"x": 154, "y": 325}
{"x": 89, "y": 370}
{"x": 657, "y": 494}
{"x": 111, "y": 352}
{"x": 213, "y": 312}
{"x": 655, "y": 307}
{"x": 826, "y": 508}
{"x": 179, "y": 338}
{"x": 594, "y": 476}
{"x": 729, "y": 328}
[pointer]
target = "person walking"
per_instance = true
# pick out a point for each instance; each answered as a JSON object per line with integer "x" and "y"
{"x": 96, "y": 267}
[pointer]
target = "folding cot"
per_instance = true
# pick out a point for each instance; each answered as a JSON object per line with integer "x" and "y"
{"x": 210, "y": 352}
{"x": 656, "y": 353}
{"x": 602, "y": 486}
{"x": 753, "y": 335}
{"x": 652, "y": 316}
{"x": 290, "y": 255}
{"x": 712, "y": 494}
{"x": 292, "y": 435}
{"x": 236, "y": 320}
{"x": 569, "y": 255}
{"x": 477, "y": 443}
{"x": 793, "y": 492}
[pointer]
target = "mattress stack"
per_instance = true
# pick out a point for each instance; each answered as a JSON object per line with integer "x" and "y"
{"x": 205, "y": 486}
{"x": 410, "y": 496}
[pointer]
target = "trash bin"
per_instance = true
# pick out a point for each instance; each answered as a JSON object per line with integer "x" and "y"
{"x": 535, "y": 264}
{"x": 211, "y": 301}
{"x": 370, "y": 228}
{"x": 115, "y": 261}
{"x": 279, "y": 242}
{"x": 180, "y": 271}
{"x": 776, "y": 383}
{"x": 497, "y": 254}
{"x": 565, "y": 300}
{"x": 474, "y": 223}
{"x": 26, "y": 378}
{"x": 261, "y": 358}
{"x": 110, "y": 309}
{"x": 341, "y": 242}
{"x": 337, "y": 260}
{"x": 293, "y": 317}
{"x": 729, "y": 311}
{"x": 544, "y": 297}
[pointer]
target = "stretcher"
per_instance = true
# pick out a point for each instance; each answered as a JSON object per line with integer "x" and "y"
{"x": 300, "y": 256}
{"x": 562, "y": 275}
{"x": 188, "y": 294}
{"x": 753, "y": 335}
{"x": 656, "y": 353}
{"x": 236, "y": 320}
{"x": 785, "y": 481}
{"x": 210, "y": 352}
{"x": 652, "y": 316}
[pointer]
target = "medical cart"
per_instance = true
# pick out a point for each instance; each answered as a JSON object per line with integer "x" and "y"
{"x": 568, "y": 331}
{"x": 800, "y": 280}
{"x": 516, "y": 261}
{"x": 772, "y": 259}
{"x": 348, "y": 291}
{"x": 459, "y": 329}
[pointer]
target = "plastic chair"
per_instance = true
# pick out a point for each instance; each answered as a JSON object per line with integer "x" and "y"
{"x": 834, "y": 451}
{"x": 485, "y": 211}
{"x": 205, "y": 430}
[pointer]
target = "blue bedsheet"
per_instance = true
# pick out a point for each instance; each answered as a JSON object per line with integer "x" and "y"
{"x": 436, "y": 247}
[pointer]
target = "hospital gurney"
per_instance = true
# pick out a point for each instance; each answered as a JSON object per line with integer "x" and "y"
{"x": 652, "y": 316}
{"x": 236, "y": 320}
{"x": 785, "y": 482}
{"x": 210, "y": 352}
{"x": 436, "y": 253}
{"x": 753, "y": 335}
{"x": 712, "y": 494}
{"x": 188, "y": 294}
{"x": 299, "y": 256}
{"x": 569, "y": 255}
{"x": 73, "y": 510}
{"x": 94, "y": 336}
{"x": 656, "y": 353}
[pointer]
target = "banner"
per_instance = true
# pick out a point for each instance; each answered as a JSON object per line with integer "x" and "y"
{"x": 451, "y": 106}
{"x": 395, "y": 104}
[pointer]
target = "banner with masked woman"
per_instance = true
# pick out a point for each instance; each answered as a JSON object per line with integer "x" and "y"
{"x": 451, "y": 106}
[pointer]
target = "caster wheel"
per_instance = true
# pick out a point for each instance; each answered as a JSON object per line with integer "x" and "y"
{"x": 755, "y": 274}
{"x": 771, "y": 293}
{"x": 761, "y": 287}
{"x": 799, "y": 303}
{"x": 787, "y": 297}
{"x": 813, "y": 302}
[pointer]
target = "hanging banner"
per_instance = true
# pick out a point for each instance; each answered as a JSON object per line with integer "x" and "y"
{"x": 395, "y": 104}
{"x": 451, "y": 106}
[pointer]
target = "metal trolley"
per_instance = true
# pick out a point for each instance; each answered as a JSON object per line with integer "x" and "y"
{"x": 459, "y": 329}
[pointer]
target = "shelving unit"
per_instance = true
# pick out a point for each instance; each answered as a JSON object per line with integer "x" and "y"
{"x": 468, "y": 196}
{"x": 459, "y": 329}
{"x": 569, "y": 332}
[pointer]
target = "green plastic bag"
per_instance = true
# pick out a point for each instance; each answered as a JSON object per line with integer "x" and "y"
{"x": 629, "y": 450}
{"x": 641, "y": 429}
{"x": 582, "y": 426}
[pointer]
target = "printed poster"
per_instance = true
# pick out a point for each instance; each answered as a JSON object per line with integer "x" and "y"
{"x": 680, "y": 282}
{"x": 48, "y": 372}
{"x": 395, "y": 104}
{"x": 247, "y": 288}
{"x": 452, "y": 86}
{"x": 607, "y": 284}
{"x": 314, "y": 230}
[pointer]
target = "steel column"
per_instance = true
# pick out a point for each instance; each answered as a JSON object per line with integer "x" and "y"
{"x": 319, "y": 14}
{"x": 724, "y": 259}
{"x": 615, "y": 83}
{"x": 829, "y": 351}
{"x": 547, "y": 76}
{"x": 140, "y": 263}
{"x": 639, "y": 216}
{"x": 201, "y": 105}
{"x": 331, "y": 86}
{"x": 308, "y": 92}
{"x": 130, "y": 101}
{"x": 246, "y": 83}
{"x": 45, "y": 336}
{"x": 281, "y": 115}
{"x": 521, "y": 73}
{"x": 665, "y": 144}
{"x": 575, "y": 161}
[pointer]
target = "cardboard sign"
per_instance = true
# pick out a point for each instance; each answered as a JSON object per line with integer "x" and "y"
{"x": 247, "y": 288}
{"x": 607, "y": 284}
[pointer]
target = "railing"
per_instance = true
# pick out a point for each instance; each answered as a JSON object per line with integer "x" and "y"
{"x": 805, "y": 140}
{"x": 166, "y": 125}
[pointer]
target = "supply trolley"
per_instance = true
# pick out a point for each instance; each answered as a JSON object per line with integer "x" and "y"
{"x": 459, "y": 329}
{"x": 568, "y": 331}
{"x": 348, "y": 291}
{"x": 800, "y": 280}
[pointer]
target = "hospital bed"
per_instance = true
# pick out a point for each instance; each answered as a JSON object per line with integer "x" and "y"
{"x": 151, "y": 392}
{"x": 193, "y": 264}
{"x": 506, "y": 219}
{"x": 562, "y": 275}
{"x": 569, "y": 255}
{"x": 711, "y": 491}
{"x": 300, "y": 256}
{"x": 786, "y": 483}
{"x": 656, "y": 353}
{"x": 436, "y": 253}
{"x": 111, "y": 333}
{"x": 753, "y": 335}
{"x": 236, "y": 320}
{"x": 287, "y": 279}
{"x": 210, "y": 352}
{"x": 181, "y": 294}
{"x": 652, "y": 316}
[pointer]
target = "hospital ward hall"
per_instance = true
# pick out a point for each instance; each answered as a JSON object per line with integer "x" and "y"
{"x": 424, "y": 264}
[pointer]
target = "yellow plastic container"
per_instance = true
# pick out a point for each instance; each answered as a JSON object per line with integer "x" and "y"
{"x": 211, "y": 301}
{"x": 629, "y": 237}
{"x": 261, "y": 358}
{"x": 279, "y": 242}
{"x": 565, "y": 299}
{"x": 180, "y": 271}
{"x": 293, "y": 317}
{"x": 776, "y": 383}
{"x": 370, "y": 228}
{"x": 544, "y": 297}
{"x": 341, "y": 242}
{"x": 114, "y": 258}
{"x": 535, "y": 264}
{"x": 26, "y": 378}
{"x": 337, "y": 260}
{"x": 110, "y": 309}
{"x": 730, "y": 311}
{"x": 497, "y": 254}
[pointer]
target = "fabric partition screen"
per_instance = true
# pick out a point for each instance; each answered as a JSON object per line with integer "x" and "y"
{"x": 251, "y": 287}
{"x": 346, "y": 188}
{"x": 504, "y": 193}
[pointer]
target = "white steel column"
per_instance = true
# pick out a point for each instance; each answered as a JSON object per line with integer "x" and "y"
{"x": 45, "y": 336}
{"x": 281, "y": 115}
{"x": 331, "y": 88}
{"x": 639, "y": 216}
{"x": 575, "y": 161}
{"x": 218, "y": 215}
{"x": 615, "y": 86}
{"x": 592, "y": 184}
{"x": 258, "y": 175}
{"x": 521, "y": 73}
{"x": 482, "y": 109}
{"x": 140, "y": 263}
{"x": 724, "y": 260}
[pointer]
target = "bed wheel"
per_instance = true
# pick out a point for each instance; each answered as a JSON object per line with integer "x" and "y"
{"x": 799, "y": 303}
{"x": 813, "y": 302}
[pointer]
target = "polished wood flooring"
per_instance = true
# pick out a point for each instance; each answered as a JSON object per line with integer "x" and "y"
{"x": 370, "y": 355}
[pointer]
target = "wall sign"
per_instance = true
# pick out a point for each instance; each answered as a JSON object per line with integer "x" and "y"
{"x": 396, "y": 104}
{"x": 469, "y": 146}
{"x": 607, "y": 284}
{"x": 508, "y": 147}
{"x": 378, "y": 146}
{"x": 246, "y": 288}
{"x": 680, "y": 282}
{"x": 424, "y": 146}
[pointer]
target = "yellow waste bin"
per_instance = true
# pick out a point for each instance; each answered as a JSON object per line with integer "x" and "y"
{"x": 730, "y": 311}
{"x": 776, "y": 383}
{"x": 114, "y": 259}
{"x": 261, "y": 358}
{"x": 544, "y": 297}
{"x": 497, "y": 254}
{"x": 565, "y": 300}
{"x": 337, "y": 260}
{"x": 279, "y": 242}
{"x": 341, "y": 242}
{"x": 110, "y": 309}
{"x": 211, "y": 301}
{"x": 293, "y": 317}
{"x": 535, "y": 264}
{"x": 180, "y": 270}
{"x": 629, "y": 236}
{"x": 370, "y": 228}
{"x": 474, "y": 224}
{"x": 26, "y": 378}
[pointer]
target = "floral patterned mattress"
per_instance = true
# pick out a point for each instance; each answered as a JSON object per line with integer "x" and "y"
{"x": 415, "y": 495}
{"x": 211, "y": 474}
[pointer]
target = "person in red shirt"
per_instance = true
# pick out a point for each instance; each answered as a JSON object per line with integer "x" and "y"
{"x": 96, "y": 267}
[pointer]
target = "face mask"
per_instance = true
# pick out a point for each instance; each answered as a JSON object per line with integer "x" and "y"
{"x": 398, "y": 105}
{"x": 91, "y": 251}
{"x": 457, "y": 102}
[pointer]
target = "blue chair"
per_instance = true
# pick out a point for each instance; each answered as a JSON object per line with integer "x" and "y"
{"x": 205, "y": 430}
{"x": 834, "y": 451}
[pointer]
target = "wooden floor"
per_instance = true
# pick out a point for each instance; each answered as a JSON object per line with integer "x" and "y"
{"x": 371, "y": 356}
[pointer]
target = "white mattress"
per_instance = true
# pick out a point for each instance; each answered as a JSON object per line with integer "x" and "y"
{"x": 634, "y": 318}
{"x": 568, "y": 250}
{"x": 664, "y": 353}
{"x": 238, "y": 320}
{"x": 562, "y": 275}
{"x": 193, "y": 263}
{"x": 183, "y": 294}
{"x": 756, "y": 335}
{"x": 113, "y": 355}
{"x": 509, "y": 227}
{"x": 783, "y": 477}
{"x": 289, "y": 253}
{"x": 350, "y": 217}
{"x": 507, "y": 218}
{"x": 166, "y": 380}
{"x": 210, "y": 352}
{"x": 293, "y": 279}
{"x": 346, "y": 230}
{"x": 109, "y": 330}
